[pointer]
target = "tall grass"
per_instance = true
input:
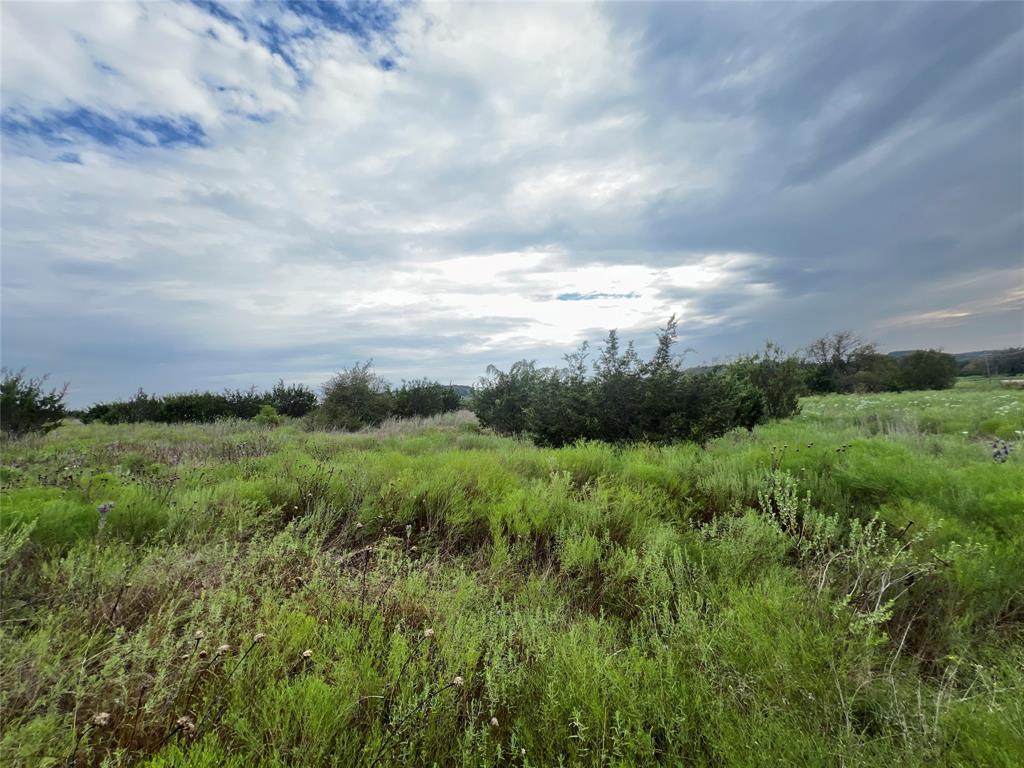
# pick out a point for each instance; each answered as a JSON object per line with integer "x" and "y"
{"x": 841, "y": 588}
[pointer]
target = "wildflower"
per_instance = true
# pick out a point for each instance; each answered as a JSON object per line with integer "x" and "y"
{"x": 458, "y": 682}
{"x": 222, "y": 649}
{"x": 494, "y": 722}
{"x": 258, "y": 637}
{"x": 186, "y": 725}
{"x": 308, "y": 653}
{"x": 101, "y": 719}
{"x": 358, "y": 526}
{"x": 428, "y": 632}
{"x": 522, "y": 751}
{"x": 103, "y": 509}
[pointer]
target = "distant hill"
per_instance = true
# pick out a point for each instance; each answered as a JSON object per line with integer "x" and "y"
{"x": 462, "y": 390}
{"x": 987, "y": 362}
{"x": 961, "y": 357}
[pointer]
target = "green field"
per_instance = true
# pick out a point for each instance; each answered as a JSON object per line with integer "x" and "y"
{"x": 842, "y": 588}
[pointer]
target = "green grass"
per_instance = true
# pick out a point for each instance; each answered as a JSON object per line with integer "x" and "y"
{"x": 841, "y": 588}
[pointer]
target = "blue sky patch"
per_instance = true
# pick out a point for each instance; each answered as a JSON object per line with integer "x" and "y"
{"x": 595, "y": 295}
{"x": 82, "y": 124}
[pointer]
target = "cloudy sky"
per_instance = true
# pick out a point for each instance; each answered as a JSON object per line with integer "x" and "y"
{"x": 201, "y": 195}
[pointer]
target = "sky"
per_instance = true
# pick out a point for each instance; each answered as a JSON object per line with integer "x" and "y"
{"x": 207, "y": 195}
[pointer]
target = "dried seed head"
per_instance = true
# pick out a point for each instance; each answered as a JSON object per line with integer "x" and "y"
{"x": 200, "y": 634}
{"x": 258, "y": 637}
{"x": 494, "y": 722}
{"x": 186, "y": 725}
{"x": 222, "y": 649}
{"x": 203, "y": 654}
{"x": 308, "y": 653}
{"x": 359, "y": 525}
{"x": 428, "y": 632}
{"x": 458, "y": 682}
{"x": 184, "y": 656}
{"x": 101, "y": 719}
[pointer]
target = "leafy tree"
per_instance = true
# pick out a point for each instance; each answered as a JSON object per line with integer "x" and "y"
{"x": 501, "y": 400}
{"x": 26, "y": 406}
{"x": 927, "y": 369}
{"x": 294, "y": 400}
{"x": 833, "y": 361}
{"x": 353, "y": 398}
{"x": 872, "y": 372}
{"x": 777, "y": 376}
{"x": 618, "y": 386}
{"x": 423, "y": 397}
{"x": 267, "y": 416}
{"x": 624, "y": 398}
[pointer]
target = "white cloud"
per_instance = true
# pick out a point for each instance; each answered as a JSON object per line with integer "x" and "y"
{"x": 513, "y": 154}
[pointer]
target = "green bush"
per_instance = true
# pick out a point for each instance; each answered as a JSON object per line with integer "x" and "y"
{"x": 928, "y": 369}
{"x": 295, "y": 400}
{"x": 25, "y": 405}
{"x": 268, "y": 416}
{"x": 423, "y": 397}
{"x": 354, "y": 398}
{"x": 203, "y": 407}
{"x": 626, "y": 399}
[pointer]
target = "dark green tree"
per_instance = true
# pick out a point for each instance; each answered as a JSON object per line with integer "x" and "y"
{"x": 26, "y": 405}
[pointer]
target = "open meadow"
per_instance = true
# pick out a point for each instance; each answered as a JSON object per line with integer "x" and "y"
{"x": 844, "y": 587}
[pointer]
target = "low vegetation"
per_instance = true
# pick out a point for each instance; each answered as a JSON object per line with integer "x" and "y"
{"x": 626, "y": 399}
{"x": 838, "y": 587}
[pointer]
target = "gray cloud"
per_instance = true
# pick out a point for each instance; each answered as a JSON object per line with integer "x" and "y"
{"x": 764, "y": 170}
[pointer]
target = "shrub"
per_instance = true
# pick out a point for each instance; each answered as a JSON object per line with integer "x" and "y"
{"x": 25, "y": 406}
{"x": 354, "y": 398}
{"x": 294, "y": 400}
{"x": 627, "y": 399}
{"x": 267, "y": 416}
{"x": 500, "y": 400}
{"x": 927, "y": 369}
{"x": 423, "y": 397}
{"x": 779, "y": 378}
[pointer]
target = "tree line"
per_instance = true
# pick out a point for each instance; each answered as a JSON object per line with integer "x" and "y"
{"x": 616, "y": 396}
{"x": 621, "y": 398}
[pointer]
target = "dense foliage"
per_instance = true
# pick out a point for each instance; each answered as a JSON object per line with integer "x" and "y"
{"x": 202, "y": 407}
{"x": 1000, "y": 362}
{"x": 624, "y": 398}
{"x": 26, "y": 405}
{"x": 841, "y": 362}
{"x": 840, "y": 588}
{"x": 357, "y": 397}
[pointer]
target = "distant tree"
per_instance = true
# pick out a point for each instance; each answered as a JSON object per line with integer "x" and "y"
{"x": 501, "y": 400}
{"x": 26, "y": 406}
{"x": 268, "y": 416}
{"x": 353, "y": 398}
{"x": 619, "y": 387}
{"x": 927, "y": 369}
{"x": 294, "y": 400}
{"x": 625, "y": 398}
{"x": 423, "y": 397}
{"x": 834, "y": 360}
{"x": 1001, "y": 362}
{"x": 777, "y": 376}
{"x": 872, "y": 371}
